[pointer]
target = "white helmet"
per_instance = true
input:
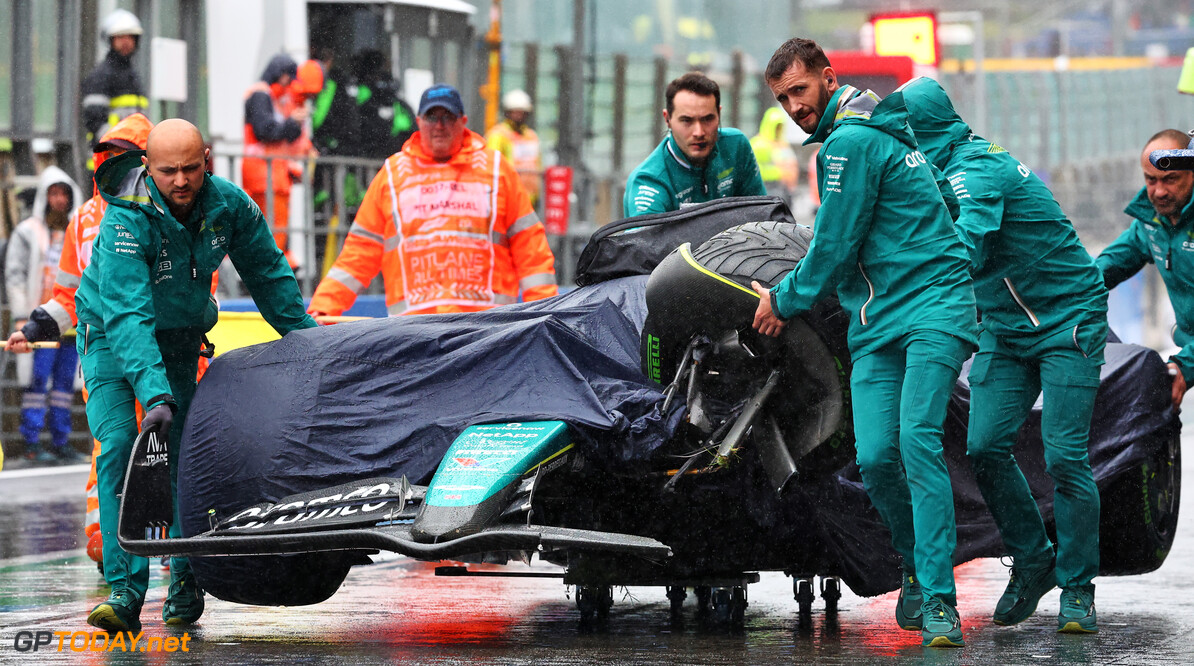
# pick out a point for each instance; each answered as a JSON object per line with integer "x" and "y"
{"x": 121, "y": 22}
{"x": 517, "y": 100}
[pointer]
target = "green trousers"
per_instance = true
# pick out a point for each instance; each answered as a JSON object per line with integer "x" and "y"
{"x": 900, "y": 394}
{"x": 1005, "y": 380}
{"x": 112, "y": 417}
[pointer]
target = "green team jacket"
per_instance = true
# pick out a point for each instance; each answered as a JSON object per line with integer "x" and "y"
{"x": 666, "y": 180}
{"x": 149, "y": 280}
{"x": 883, "y": 235}
{"x": 1151, "y": 239}
{"x": 1032, "y": 276}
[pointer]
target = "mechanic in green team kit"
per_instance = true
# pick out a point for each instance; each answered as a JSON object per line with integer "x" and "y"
{"x": 1162, "y": 233}
{"x": 144, "y": 304}
{"x": 1044, "y": 325}
{"x": 884, "y": 238}
{"x": 699, "y": 160}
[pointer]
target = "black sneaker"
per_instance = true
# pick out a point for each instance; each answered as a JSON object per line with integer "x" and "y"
{"x": 1025, "y": 587}
{"x": 907, "y": 613}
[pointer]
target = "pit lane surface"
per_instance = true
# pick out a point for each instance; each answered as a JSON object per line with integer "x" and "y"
{"x": 397, "y": 611}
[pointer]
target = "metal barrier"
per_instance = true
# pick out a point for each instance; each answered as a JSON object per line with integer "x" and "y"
{"x": 322, "y": 203}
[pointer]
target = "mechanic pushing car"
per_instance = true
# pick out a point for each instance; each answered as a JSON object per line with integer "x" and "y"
{"x": 144, "y": 304}
{"x": 885, "y": 239}
{"x": 1044, "y": 326}
{"x": 1161, "y": 232}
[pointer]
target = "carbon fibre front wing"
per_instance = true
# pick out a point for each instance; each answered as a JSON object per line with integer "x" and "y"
{"x": 371, "y": 514}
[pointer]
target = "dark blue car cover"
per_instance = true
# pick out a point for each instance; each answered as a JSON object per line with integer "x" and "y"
{"x": 386, "y": 397}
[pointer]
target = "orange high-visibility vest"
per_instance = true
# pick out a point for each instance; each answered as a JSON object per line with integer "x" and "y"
{"x": 253, "y": 165}
{"x": 522, "y": 150}
{"x": 455, "y": 236}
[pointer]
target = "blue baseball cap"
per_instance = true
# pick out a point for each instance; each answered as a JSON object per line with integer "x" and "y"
{"x": 441, "y": 95}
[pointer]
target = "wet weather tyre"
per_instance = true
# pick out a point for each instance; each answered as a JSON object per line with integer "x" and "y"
{"x": 763, "y": 251}
{"x": 1139, "y": 512}
{"x": 766, "y": 252}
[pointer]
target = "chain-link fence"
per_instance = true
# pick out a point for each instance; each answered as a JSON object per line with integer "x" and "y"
{"x": 1082, "y": 131}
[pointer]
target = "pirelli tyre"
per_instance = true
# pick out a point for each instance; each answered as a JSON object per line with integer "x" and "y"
{"x": 1139, "y": 511}
{"x": 706, "y": 292}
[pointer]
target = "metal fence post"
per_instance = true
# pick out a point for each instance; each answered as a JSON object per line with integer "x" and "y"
{"x": 660, "y": 88}
{"x": 621, "y": 64}
{"x": 738, "y": 75}
{"x": 567, "y": 107}
{"x": 22, "y": 84}
{"x": 531, "y": 71}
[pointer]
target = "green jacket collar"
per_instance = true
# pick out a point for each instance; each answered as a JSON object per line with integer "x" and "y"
{"x": 828, "y": 121}
{"x": 1142, "y": 209}
{"x": 850, "y": 105}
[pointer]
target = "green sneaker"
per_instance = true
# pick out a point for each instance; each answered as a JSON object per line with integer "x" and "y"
{"x": 942, "y": 627}
{"x": 908, "y": 614}
{"x": 1077, "y": 614}
{"x": 184, "y": 601}
{"x": 121, "y": 612}
{"x": 1025, "y": 587}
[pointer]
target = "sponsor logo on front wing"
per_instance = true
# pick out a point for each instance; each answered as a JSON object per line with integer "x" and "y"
{"x": 313, "y": 510}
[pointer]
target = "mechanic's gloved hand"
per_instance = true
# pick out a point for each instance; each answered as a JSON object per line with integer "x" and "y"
{"x": 159, "y": 419}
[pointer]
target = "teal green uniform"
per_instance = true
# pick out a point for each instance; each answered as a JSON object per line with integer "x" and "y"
{"x": 1153, "y": 239}
{"x": 1043, "y": 309}
{"x": 144, "y": 303}
{"x": 884, "y": 238}
{"x": 667, "y": 181}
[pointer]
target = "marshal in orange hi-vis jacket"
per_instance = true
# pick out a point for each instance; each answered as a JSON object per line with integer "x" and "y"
{"x": 453, "y": 236}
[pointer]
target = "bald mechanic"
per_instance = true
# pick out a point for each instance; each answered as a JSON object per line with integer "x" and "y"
{"x": 885, "y": 240}
{"x": 1160, "y": 234}
{"x": 144, "y": 304}
{"x": 1044, "y": 327}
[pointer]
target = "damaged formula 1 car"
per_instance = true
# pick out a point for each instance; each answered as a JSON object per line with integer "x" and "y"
{"x": 634, "y": 431}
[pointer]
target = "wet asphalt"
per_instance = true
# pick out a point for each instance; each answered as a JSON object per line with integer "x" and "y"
{"x": 397, "y": 611}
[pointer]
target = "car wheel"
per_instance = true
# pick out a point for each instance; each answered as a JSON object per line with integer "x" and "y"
{"x": 1139, "y": 512}
{"x": 766, "y": 252}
